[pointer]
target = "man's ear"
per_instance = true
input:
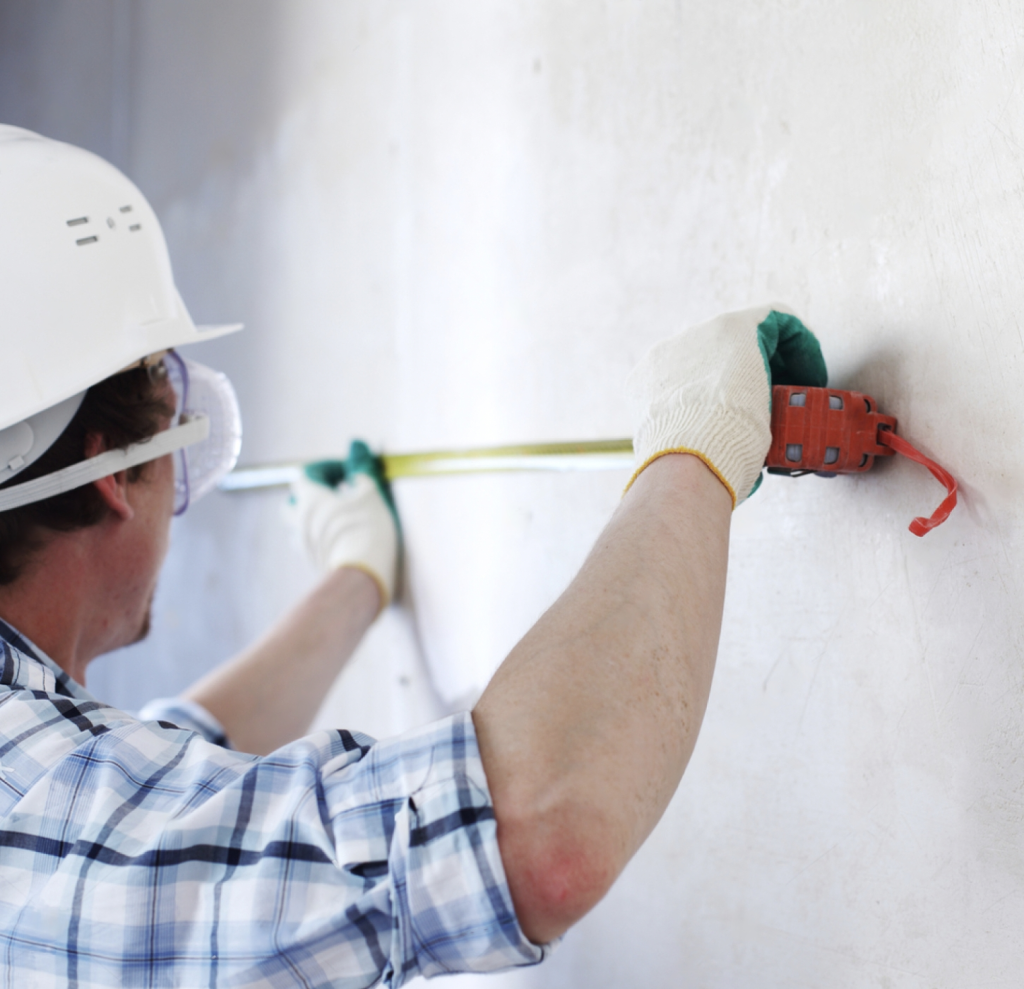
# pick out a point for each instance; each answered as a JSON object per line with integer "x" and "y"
{"x": 113, "y": 488}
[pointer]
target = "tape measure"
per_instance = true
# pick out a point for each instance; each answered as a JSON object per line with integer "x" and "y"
{"x": 824, "y": 431}
{"x": 827, "y": 431}
{"x": 589, "y": 455}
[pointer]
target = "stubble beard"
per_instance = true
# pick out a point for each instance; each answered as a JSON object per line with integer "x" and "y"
{"x": 146, "y": 624}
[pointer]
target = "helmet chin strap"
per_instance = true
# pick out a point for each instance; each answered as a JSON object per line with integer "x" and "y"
{"x": 22, "y": 444}
{"x": 194, "y": 429}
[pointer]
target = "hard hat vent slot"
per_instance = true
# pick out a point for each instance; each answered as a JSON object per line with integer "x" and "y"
{"x": 78, "y": 221}
{"x": 794, "y": 451}
{"x": 835, "y": 402}
{"x": 798, "y": 398}
{"x": 126, "y": 209}
{"x": 831, "y": 454}
{"x": 135, "y": 226}
{"x": 82, "y": 241}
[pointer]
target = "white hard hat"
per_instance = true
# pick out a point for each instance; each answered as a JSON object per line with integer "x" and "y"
{"x": 86, "y": 287}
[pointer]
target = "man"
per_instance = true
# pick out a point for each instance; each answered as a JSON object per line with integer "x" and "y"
{"x": 157, "y": 849}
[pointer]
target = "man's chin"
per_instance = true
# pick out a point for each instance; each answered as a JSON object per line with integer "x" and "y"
{"x": 145, "y": 625}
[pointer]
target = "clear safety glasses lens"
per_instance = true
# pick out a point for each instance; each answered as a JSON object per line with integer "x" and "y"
{"x": 177, "y": 375}
{"x": 201, "y": 390}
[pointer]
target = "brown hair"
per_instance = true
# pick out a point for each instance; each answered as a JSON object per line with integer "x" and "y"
{"x": 122, "y": 409}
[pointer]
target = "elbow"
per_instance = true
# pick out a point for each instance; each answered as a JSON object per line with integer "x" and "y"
{"x": 558, "y": 868}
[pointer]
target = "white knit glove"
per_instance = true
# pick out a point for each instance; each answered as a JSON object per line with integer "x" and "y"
{"x": 707, "y": 391}
{"x": 348, "y": 525}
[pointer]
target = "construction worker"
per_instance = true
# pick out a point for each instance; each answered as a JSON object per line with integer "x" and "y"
{"x": 208, "y": 841}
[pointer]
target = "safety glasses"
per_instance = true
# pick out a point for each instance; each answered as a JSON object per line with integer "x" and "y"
{"x": 199, "y": 390}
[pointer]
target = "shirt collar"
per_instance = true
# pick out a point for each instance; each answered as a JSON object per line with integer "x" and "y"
{"x": 22, "y": 669}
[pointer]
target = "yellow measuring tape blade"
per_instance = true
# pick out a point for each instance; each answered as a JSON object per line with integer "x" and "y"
{"x": 586, "y": 455}
{"x": 593, "y": 455}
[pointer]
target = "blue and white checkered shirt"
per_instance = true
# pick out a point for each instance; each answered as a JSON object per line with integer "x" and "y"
{"x": 138, "y": 853}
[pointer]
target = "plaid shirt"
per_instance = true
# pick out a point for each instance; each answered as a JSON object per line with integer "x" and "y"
{"x": 140, "y": 853}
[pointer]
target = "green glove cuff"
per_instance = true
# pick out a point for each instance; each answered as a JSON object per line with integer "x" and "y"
{"x": 791, "y": 355}
{"x": 360, "y": 460}
{"x": 329, "y": 473}
{"x": 791, "y": 352}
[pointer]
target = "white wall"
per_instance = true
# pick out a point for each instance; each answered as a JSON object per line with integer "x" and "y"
{"x": 449, "y": 223}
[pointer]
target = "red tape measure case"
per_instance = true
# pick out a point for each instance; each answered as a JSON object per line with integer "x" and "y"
{"x": 825, "y": 430}
{"x": 828, "y": 431}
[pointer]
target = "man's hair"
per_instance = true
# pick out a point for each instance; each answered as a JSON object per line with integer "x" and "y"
{"x": 122, "y": 409}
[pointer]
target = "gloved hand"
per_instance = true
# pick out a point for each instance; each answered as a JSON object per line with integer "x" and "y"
{"x": 346, "y": 518}
{"x": 707, "y": 391}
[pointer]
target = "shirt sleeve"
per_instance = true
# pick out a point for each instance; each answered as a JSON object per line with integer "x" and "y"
{"x": 451, "y": 907}
{"x": 335, "y": 860}
{"x": 186, "y": 714}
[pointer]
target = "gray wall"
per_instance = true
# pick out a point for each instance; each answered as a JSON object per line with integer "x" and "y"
{"x": 448, "y": 223}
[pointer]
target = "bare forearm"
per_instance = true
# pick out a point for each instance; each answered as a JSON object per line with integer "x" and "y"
{"x": 587, "y": 727}
{"x": 268, "y": 695}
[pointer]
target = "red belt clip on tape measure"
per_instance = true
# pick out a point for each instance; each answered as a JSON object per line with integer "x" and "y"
{"x": 827, "y": 431}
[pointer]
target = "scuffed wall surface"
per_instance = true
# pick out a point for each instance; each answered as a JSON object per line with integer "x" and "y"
{"x": 455, "y": 223}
